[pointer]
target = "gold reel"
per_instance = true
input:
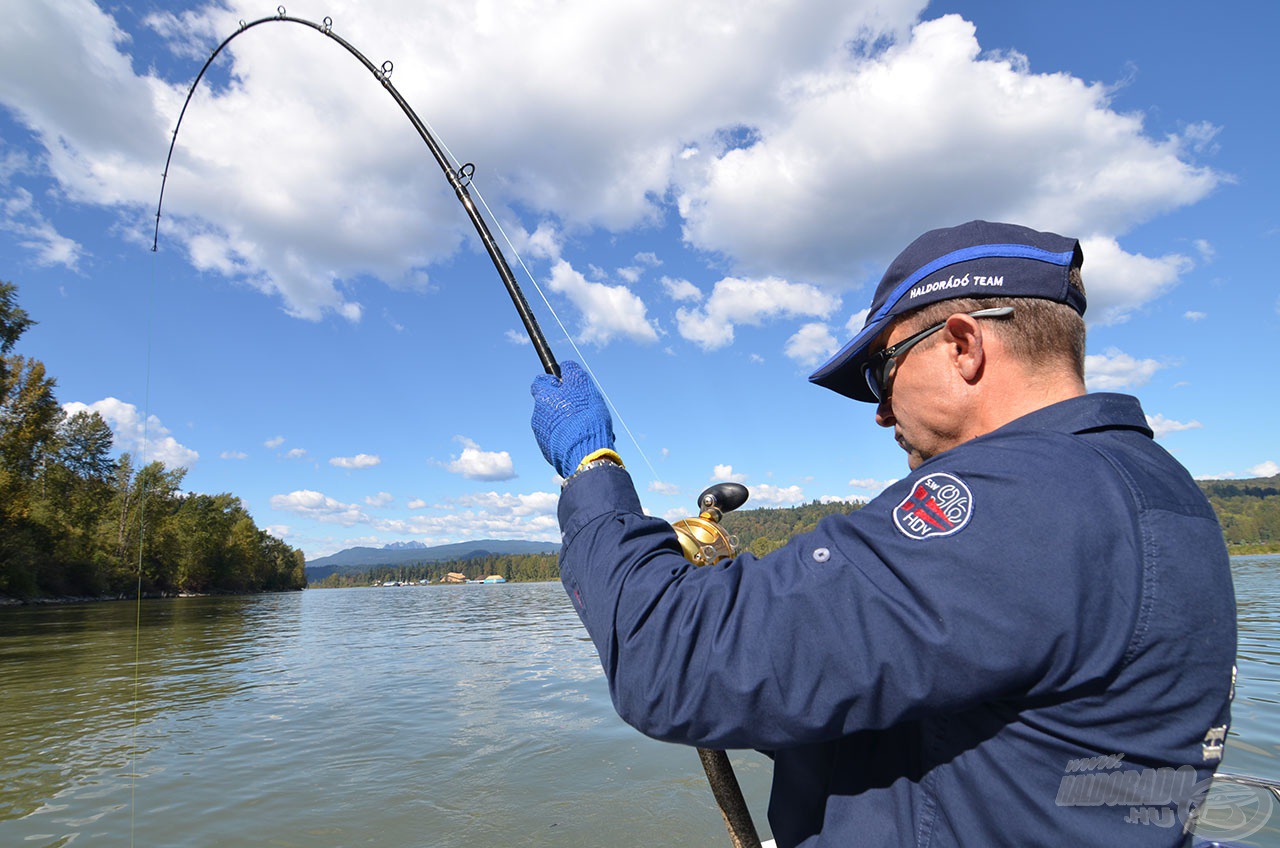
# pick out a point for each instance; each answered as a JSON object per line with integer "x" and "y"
{"x": 702, "y": 539}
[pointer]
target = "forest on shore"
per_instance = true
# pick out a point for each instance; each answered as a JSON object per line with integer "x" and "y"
{"x": 1249, "y": 512}
{"x": 515, "y": 568}
{"x": 76, "y": 522}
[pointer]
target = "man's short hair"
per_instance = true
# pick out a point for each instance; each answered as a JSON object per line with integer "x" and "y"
{"x": 1040, "y": 332}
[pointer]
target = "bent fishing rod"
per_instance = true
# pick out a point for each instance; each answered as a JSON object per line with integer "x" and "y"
{"x": 702, "y": 539}
{"x": 459, "y": 179}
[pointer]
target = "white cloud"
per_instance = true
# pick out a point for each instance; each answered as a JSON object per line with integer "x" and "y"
{"x": 296, "y": 453}
{"x": 608, "y": 312}
{"x": 360, "y": 460}
{"x": 763, "y": 493}
{"x": 648, "y": 258}
{"x": 319, "y": 507}
{"x": 280, "y": 531}
{"x": 736, "y": 301}
{"x": 674, "y": 514}
{"x": 661, "y": 488}
{"x": 485, "y": 515}
{"x": 678, "y": 289}
{"x": 1205, "y": 249}
{"x": 1191, "y": 315}
{"x": 148, "y": 441}
{"x": 476, "y": 464}
{"x": 19, "y": 216}
{"x": 1265, "y": 469}
{"x": 535, "y": 503}
{"x": 518, "y": 337}
{"x": 857, "y": 321}
{"x": 1118, "y": 282}
{"x": 725, "y": 473}
{"x": 1162, "y": 426}
{"x": 1115, "y": 369}
{"x": 233, "y": 455}
{"x": 869, "y": 484}
{"x": 545, "y": 242}
{"x": 811, "y": 345}
{"x": 1200, "y": 137}
{"x": 274, "y": 443}
{"x": 943, "y": 134}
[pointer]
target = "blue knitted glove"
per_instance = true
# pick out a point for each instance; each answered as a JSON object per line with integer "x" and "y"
{"x": 570, "y": 419}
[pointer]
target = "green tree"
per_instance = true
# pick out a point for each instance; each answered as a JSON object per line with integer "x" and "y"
{"x": 84, "y": 446}
{"x": 14, "y": 321}
{"x": 29, "y": 415}
{"x": 23, "y": 388}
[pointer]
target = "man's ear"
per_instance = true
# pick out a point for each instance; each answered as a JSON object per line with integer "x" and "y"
{"x": 965, "y": 345}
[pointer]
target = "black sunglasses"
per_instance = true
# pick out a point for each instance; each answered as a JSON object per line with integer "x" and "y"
{"x": 876, "y": 370}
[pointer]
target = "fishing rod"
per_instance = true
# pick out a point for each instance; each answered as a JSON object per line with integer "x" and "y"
{"x": 459, "y": 179}
{"x": 702, "y": 539}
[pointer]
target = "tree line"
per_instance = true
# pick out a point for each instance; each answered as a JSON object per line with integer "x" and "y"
{"x": 76, "y": 522}
{"x": 1249, "y": 512}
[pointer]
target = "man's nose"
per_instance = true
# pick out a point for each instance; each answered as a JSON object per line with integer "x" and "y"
{"x": 884, "y": 412}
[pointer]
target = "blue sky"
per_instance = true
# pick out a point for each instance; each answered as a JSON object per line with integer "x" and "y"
{"x": 706, "y": 194}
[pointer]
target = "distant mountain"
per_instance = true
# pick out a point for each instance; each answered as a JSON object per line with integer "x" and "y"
{"x": 404, "y": 553}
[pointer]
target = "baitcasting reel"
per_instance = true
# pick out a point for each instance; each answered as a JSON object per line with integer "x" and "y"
{"x": 702, "y": 539}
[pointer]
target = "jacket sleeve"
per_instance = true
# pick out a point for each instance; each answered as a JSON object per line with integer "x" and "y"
{"x": 859, "y": 624}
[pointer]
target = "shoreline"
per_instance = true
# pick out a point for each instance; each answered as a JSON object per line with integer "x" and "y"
{"x": 10, "y": 602}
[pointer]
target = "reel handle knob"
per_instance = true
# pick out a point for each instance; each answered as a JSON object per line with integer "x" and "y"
{"x": 723, "y": 497}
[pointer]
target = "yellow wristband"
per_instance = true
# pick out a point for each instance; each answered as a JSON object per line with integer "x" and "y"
{"x": 604, "y": 453}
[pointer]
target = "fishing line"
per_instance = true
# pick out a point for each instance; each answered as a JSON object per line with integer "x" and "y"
{"x": 568, "y": 337}
{"x": 529, "y": 275}
{"x": 142, "y": 528}
{"x": 563, "y": 329}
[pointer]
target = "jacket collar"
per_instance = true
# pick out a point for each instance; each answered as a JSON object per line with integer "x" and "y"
{"x": 1100, "y": 411}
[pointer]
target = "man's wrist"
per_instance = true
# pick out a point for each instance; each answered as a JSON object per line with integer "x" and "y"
{"x": 595, "y": 459}
{"x": 604, "y": 454}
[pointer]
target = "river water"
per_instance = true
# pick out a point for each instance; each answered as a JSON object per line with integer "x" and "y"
{"x": 435, "y": 716}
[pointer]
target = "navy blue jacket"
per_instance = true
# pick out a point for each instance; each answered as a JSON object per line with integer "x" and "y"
{"x": 1019, "y": 644}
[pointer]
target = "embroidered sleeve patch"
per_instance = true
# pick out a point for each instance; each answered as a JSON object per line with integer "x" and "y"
{"x": 939, "y": 505}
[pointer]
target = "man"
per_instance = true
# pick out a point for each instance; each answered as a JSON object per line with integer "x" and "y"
{"x": 1027, "y": 641}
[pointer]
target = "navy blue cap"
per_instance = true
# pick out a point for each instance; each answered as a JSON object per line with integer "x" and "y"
{"x": 977, "y": 259}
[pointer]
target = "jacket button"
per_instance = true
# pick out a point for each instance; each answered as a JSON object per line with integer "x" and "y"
{"x": 821, "y": 555}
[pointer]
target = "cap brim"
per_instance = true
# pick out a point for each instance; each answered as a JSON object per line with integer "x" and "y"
{"x": 843, "y": 373}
